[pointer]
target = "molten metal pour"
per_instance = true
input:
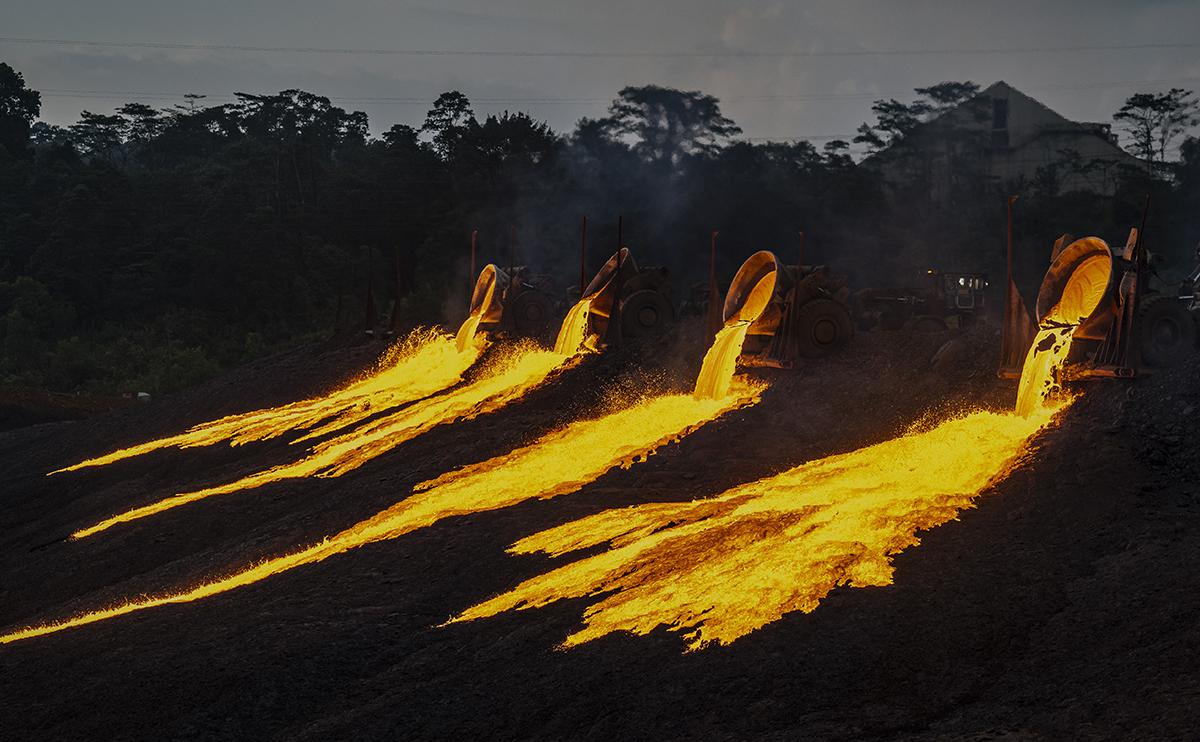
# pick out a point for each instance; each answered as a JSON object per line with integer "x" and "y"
{"x": 424, "y": 363}
{"x": 718, "y": 569}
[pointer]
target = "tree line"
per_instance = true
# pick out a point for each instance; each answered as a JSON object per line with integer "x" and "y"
{"x": 148, "y": 248}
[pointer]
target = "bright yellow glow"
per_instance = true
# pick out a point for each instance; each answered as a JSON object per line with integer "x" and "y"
{"x": 555, "y": 464}
{"x": 573, "y": 333}
{"x": 720, "y": 361}
{"x": 509, "y": 378}
{"x": 1081, "y": 295}
{"x": 466, "y": 332}
{"x": 424, "y": 363}
{"x": 717, "y": 569}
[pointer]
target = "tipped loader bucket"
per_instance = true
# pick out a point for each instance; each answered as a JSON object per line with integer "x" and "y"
{"x": 485, "y": 299}
{"x": 486, "y": 305}
{"x": 1080, "y": 288}
{"x": 602, "y": 291}
{"x": 751, "y": 291}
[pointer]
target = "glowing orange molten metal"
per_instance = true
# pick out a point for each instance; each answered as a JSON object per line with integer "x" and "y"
{"x": 1084, "y": 290}
{"x": 424, "y": 363}
{"x": 508, "y": 379}
{"x": 717, "y": 569}
{"x": 556, "y": 464}
{"x": 720, "y": 361}
{"x": 573, "y": 334}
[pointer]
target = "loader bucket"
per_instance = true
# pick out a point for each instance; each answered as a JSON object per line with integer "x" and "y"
{"x": 752, "y": 289}
{"x": 602, "y": 291}
{"x": 1079, "y": 288}
{"x": 485, "y": 299}
{"x": 486, "y": 305}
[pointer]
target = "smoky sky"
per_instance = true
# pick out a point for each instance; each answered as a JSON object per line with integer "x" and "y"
{"x": 770, "y": 97}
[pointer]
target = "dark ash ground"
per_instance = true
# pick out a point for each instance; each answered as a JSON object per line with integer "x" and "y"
{"x": 1065, "y": 606}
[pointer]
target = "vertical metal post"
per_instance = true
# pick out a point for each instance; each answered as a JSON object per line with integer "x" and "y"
{"x": 372, "y": 318}
{"x": 713, "y": 318}
{"x": 582, "y": 255}
{"x": 512, "y": 249}
{"x": 1009, "y": 309}
{"x": 712, "y": 263}
{"x": 471, "y": 277}
{"x": 613, "y": 336}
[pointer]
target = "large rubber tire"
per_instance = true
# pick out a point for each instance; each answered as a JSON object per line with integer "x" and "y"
{"x": 645, "y": 313}
{"x": 1166, "y": 331}
{"x": 822, "y": 326}
{"x": 530, "y": 313}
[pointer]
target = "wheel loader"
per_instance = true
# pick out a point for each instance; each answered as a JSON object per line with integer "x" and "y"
{"x": 800, "y": 311}
{"x": 1134, "y": 327}
{"x": 515, "y": 304}
{"x": 638, "y": 299}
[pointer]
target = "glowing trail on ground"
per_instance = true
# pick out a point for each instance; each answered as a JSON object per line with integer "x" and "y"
{"x": 424, "y": 363}
{"x": 555, "y": 464}
{"x": 507, "y": 380}
{"x": 715, "y": 570}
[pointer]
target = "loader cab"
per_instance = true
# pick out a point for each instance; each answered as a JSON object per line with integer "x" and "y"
{"x": 963, "y": 292}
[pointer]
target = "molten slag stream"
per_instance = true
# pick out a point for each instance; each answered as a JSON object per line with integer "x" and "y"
{"x": 424, "y": 363}
{"x": 573, "y": 332}
{"x": 556, "y": 464}
{"x": 717, "y": 569}
{"x": 508, "y": 379}
{"x": 1084, "y": 290}
{"x": 716, "y": 371}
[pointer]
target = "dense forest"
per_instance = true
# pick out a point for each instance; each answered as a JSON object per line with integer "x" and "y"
{"x": 145, "y": 249}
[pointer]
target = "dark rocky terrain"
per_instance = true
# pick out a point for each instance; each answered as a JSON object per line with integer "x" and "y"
{"x": 1065, "y": 606}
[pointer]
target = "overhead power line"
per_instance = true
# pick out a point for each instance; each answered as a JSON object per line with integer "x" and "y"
{"x": 428, "y": 100}
{"x": 698, "y": 54}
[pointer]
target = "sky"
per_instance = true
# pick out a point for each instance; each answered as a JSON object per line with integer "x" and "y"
{"x": 783, "y": 70}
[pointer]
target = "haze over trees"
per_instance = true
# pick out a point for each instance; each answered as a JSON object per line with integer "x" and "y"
{"x": 146, "y": 248}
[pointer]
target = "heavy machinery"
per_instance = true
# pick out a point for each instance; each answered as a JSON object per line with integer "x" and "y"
{"x": 515, "y": 304}
{"x": 1133, "y": 327}
{"x": 639, "y": 299}
{"x": 804, "y": 311}
{"x": 948, "y": 298}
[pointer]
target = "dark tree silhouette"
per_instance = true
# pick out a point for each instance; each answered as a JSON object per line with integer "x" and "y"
{"x": 669, "y": 125}
{"x": 19, "y": 106}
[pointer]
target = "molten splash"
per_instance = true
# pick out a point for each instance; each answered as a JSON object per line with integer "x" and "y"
{"x": 424, "y": 363}
{"x": 573, "y": 333}
{"x": 1083, "y": 291}
{"x": 720, "y": 361}
{"x": 718, "y": 569}
{"x": 507, "y": 380}
{"x": 556, "y": 464}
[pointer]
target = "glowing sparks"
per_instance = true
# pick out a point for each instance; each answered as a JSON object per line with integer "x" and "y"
{"x": 716, "y": 371}
{"x": 508, "y": 379}
{"x": 425, "y": 363}
{"x": 556, "y": 464}
{"x": 717, "y": 569}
